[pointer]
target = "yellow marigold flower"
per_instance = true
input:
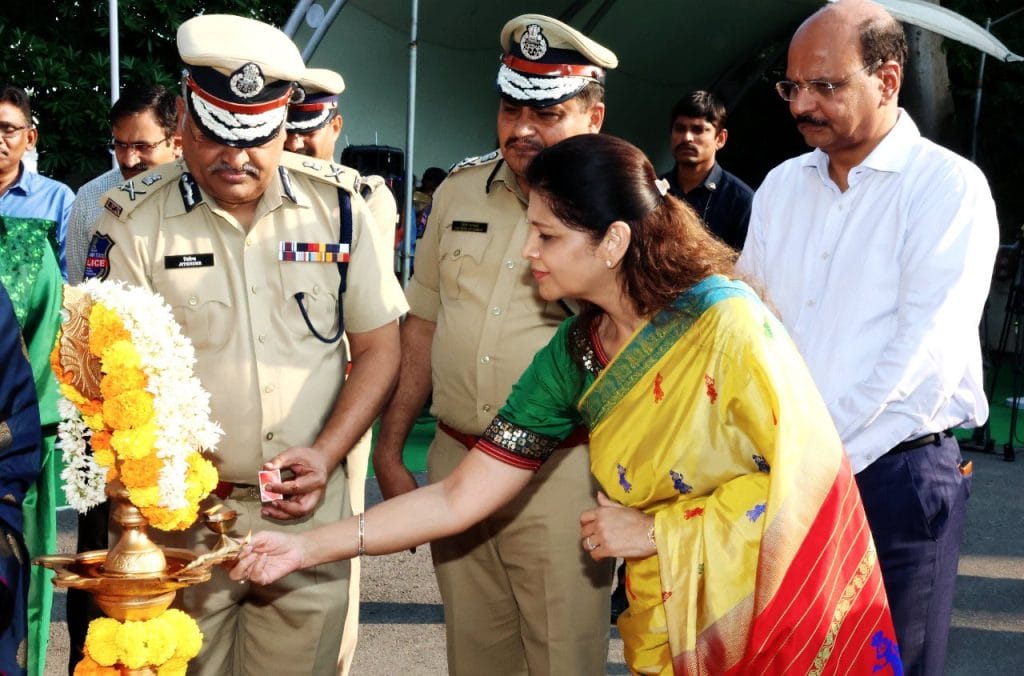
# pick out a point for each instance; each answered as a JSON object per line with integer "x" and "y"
{"x": 105, "y": 328}
{"x": 135, "y": 444}
{"x": 202, "y": 478}
{"x": 128, "y": 409}
{"x": 161, "y": 637}
{"x": 172, "y": 667}
{"x": 104, "y": 457}
{"x": 121, "y": 380}
{"x": 120, "y": 356}
{"x": 72, "y": 395}
{"x": 99, "y": 640}
{"x": 143, "y": 496}
{"x": 186, "y": 631}
{"x": 132, "y": 644}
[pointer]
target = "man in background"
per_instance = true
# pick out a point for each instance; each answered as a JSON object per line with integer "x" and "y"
{"x": 313, "y": 128}
{"x": 144, "y": 134}
{"x": 696, "y": 133}
{"x": 24, "y": 193}
{"x": 877, "y": 250}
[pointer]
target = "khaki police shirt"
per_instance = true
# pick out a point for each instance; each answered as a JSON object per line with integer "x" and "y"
{"x": 471, "y": 279}
{"x": 272, "y": 383}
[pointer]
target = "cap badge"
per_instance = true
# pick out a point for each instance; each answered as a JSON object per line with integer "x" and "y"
{"x": 247, "y": 81}
{"x": 533, "y": 44}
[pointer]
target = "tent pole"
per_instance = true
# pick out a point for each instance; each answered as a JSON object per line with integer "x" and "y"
{"x": 410, "y": 138}
{"x": 115, "y": 61}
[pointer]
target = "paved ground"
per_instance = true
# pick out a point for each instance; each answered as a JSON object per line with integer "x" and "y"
{"x": 402, "y": 623}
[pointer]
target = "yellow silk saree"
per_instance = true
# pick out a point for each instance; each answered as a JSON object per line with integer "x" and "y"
{"x": 709, "y": 420}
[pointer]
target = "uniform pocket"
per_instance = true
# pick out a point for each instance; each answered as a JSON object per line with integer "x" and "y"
{"x": 201, "y": 303}
{"x": 462, "y": 256}
{"x": 318, "y": 285}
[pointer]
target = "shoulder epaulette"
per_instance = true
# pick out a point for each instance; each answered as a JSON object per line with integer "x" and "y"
{"x": 123, "y": 199}
{"x": 319, "y": 170}
{"x": 489, "y": 158}
{"x": 367, "y": 185}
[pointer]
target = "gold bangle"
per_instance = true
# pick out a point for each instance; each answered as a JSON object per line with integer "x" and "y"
{"x": 362, "y": 529}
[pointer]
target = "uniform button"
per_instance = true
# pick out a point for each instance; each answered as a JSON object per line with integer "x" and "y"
{"x": 810, "y": 303}
{"x": 262, "y": 339}
{"x": 495, "y": 311}
{"x": 270, "y": 436}
{"x": 824, "y": 255}
{"x": 268, "y": 389}
{"x": 486, "y": 408}
{"x": 249, "y": 241}
{"x": 253, "y": 288}
{"x": 457, "y": 252}
{"x": 485, "y": 359}
{"x": 510, "y": 264}
{"x": 192, "y": 300}
{"x": 316, "y": 289}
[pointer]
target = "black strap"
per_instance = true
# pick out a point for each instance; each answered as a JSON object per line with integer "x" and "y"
{"x": 345, "y": 208}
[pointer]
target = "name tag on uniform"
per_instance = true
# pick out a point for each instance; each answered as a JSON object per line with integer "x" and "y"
{"x": 204, "y": 260}
{"x": 313, "y": 252}
{"x": 468, "y": 226}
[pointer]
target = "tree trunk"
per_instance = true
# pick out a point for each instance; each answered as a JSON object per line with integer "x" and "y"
{"x": 925, "y": 93}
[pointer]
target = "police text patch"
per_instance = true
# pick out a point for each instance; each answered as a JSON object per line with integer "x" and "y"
{"x": 97, "y": 260}
{"x": 203, "y": 260}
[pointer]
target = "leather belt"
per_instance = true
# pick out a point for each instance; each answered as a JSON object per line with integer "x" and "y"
{"x": 580, "y": 435}
{"x": 227, "y": 489}
{"x": 935, "y": 438}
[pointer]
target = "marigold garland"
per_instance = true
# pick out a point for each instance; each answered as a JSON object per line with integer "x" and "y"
{"x": 166, "y": 642}
{"x": 151, "y": 422}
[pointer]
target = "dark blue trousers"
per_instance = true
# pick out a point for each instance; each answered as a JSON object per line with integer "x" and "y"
{"x": 916, "y": 502}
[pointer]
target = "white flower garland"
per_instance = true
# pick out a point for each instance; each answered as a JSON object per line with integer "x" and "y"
{"x": 181, "y": 405}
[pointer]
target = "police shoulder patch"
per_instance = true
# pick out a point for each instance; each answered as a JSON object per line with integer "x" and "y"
{"x": 490, "y": 157}
{"x": 319, "y": 170}
{"x": 123, "y": 199}
{"x": 97, "y": 260}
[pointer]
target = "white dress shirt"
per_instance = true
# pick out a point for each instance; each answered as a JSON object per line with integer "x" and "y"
{"x": 882, "y": 286}
{"x": 81, "y": 223}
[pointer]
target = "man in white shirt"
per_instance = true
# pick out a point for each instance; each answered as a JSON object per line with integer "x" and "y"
{"x": 877, "y": 250}
{"x": 144, "y": 134}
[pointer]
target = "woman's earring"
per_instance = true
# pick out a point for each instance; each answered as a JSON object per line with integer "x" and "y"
{"x": 609, "y": 264}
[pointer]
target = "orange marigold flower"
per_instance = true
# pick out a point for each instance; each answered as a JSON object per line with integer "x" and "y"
{"x": 122, "y": 380}
{"x": 141, "y": 472}
{"x": 105, "y": 329}
{"x": 128, "y": 409}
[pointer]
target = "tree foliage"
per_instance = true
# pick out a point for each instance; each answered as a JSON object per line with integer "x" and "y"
{"x": 999, "y": 141}
{"x": 59, "y": 50}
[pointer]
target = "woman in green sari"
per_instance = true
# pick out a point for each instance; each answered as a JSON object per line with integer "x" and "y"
{"x": 725, "y": 486}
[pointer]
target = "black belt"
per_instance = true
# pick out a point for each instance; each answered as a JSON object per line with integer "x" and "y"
{"x": 934, "y": 438}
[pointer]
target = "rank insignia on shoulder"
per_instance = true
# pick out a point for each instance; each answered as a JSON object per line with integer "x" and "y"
{"x": 151, "y": 179}
{"x": 313, "y": 252}
{"x": 97, "y": 260}
{"x": 190, "y": 195}
{"x": 129, "y": 187}
{"x": 113, "y": 207}
{"x": 468, "y": 226}
{"x": 474, "y": 161}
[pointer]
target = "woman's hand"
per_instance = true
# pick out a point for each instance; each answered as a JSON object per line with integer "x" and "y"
{"x": 613, "y": 530}
{"x": 269, "y": 556}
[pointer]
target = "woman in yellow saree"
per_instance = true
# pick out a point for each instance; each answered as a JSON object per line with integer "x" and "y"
{"x": 726, "y": 488}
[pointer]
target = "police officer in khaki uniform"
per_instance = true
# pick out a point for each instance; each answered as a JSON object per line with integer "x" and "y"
{"x": 313, "y": 127}
{"x": 520, "y": 595}
{"x": 244, "y": 242}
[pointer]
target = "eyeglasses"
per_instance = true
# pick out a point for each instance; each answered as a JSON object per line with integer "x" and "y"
{"x": 822, "y": 89}
{"x": 11, "y": 133}
{"x": 140, "y": 148}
